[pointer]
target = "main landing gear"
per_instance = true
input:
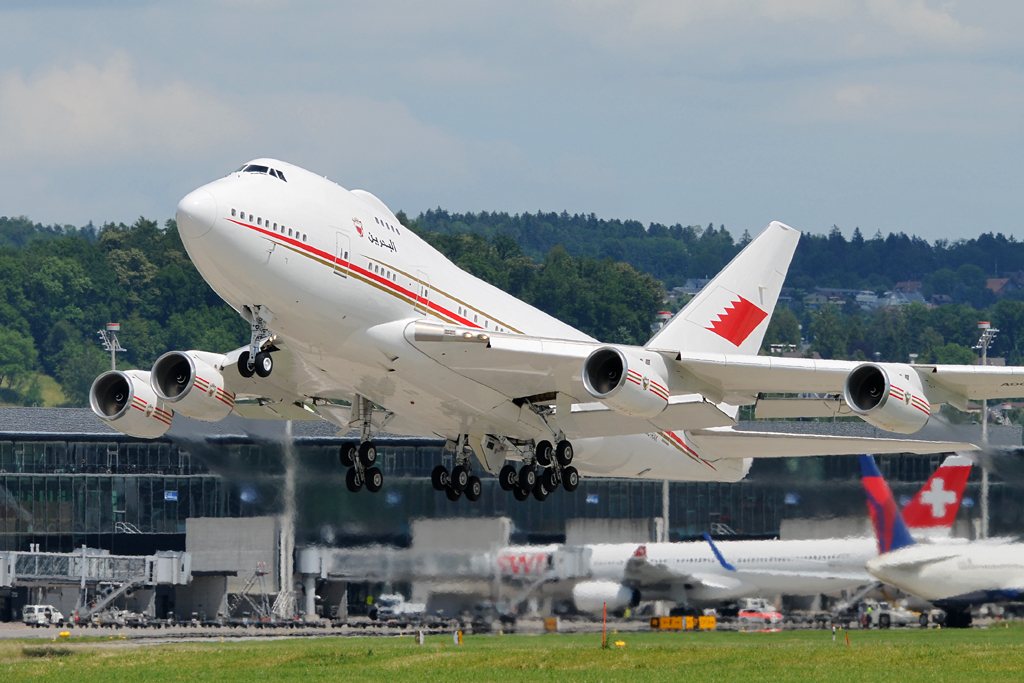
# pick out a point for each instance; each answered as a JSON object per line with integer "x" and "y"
{"x": 461, "y": 479}
{"x": 361, "y": 457}
{"x": 257, "y": 360}
{"x": 549, "y": 468}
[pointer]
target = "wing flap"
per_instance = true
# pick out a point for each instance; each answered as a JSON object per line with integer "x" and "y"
{"x": 683, "y": 412}
{"x": 830, "y": 406}
{"x": 733, "y": 443}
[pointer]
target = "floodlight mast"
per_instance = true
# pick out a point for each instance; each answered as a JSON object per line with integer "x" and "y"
{"x": 988, "y": 333}
{"x": 110, "y": 343}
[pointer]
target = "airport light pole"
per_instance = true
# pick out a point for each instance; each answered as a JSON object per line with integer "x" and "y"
{"x": 988, "y": 333}
{"x": 110, "y": 343}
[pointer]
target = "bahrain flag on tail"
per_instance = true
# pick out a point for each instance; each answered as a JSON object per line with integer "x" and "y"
{"x": 935, "y": 506}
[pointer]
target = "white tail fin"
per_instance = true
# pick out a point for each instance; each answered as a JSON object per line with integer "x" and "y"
{"x": 731, "y": 313}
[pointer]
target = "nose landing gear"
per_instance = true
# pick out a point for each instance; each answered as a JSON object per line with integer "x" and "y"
{"x": 257, "y": 360}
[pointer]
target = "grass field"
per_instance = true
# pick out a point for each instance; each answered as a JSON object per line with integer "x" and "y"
{"x": 892, "y": 657}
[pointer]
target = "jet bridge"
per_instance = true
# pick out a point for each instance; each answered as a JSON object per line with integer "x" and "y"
{"x": 90, "y": 567}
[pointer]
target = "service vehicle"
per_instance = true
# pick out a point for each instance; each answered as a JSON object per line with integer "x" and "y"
{"x": 41, "y": 616}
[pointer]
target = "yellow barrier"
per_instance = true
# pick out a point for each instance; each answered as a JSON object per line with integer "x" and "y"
{"x": 683, "y": 623}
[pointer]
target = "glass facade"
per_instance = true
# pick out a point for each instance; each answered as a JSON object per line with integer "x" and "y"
{"x": 135, "y": 496}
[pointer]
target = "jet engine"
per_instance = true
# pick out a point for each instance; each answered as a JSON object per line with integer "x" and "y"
{"x": 889, "y": 396}
{"x": 126, "y": 402}
{"x": 189, "y": 381}
{"x": 592, "y": 596}
{"x": 626, "y": 381}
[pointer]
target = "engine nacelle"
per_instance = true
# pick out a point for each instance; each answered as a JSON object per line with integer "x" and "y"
{"x": 889, "y": 396}
{"x": 126, "y": 402}
{"x": 188, "y": 381}
{"x": 628, "y": 382}
{"x": 592, "y": 596}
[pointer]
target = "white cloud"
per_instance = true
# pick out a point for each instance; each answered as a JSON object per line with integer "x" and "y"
{"x": 103, "y": 113}
{"x": 914, "y": 18}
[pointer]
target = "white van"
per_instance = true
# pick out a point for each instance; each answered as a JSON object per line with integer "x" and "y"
{"x": 41, "y": 615}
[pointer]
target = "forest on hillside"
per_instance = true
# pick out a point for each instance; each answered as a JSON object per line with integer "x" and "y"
{"x": 672, "y": 254}
{"x": 59, "y": 284}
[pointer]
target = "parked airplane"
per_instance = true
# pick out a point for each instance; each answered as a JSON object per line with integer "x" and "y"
{"x": 699, "y": 572}
{"x": 954, "y": 577}
{"x": 356, "y": 320}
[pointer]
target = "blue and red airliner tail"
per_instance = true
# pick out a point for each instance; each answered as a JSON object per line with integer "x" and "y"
{"x": 890, "y": 530}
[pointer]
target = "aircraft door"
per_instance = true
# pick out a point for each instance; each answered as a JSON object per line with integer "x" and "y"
{"x": 422, "y": 300}
{"x": 341, "y": 253}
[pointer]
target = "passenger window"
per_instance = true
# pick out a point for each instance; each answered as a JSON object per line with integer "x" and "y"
{"x": 275, "y": 227}
{"x": 232, "y": 213}
{"x": 289, "y": 232}
{"x": 259, "y": 221}
{"x": 303, "y": 237}
{"x": 250, "y": 218}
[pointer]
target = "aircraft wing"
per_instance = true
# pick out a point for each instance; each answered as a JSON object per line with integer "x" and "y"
{"x": 641, "y": 573}
{"x": 732, "y": 443}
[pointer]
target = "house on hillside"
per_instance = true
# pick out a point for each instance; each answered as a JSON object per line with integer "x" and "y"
{"x": 694, "y": 285}
{"x": 815, "y": 301}
{"x": 1001, "y": 285}
{"x": 940, "y": 300}
{"x": 902, "y": 294}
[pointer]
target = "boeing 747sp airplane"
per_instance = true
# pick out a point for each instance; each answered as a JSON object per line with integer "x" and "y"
{"x": 356, "y": 320}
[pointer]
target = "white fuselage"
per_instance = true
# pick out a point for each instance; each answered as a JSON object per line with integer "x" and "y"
{"x": 955, "y": 574}
{"x": 343, "y": 279}
{"x": 762, "y": 568}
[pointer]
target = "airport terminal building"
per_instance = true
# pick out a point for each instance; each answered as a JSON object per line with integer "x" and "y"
{"x": 67, "y": 480}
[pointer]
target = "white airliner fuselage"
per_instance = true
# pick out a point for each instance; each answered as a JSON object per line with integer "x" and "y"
{"x": 335, "y": 267}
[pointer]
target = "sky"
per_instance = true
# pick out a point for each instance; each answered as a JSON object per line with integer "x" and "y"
{"x": 887, "y": 115}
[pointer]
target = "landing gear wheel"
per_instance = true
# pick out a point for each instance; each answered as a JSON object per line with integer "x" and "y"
{"x": 367, "y": 453}
{"x": 543, "y": 451}
{"x": 264, "y": 364}
{"x": 570, "y": 479}
{"x": 374, "y": 480}
{"x": 474, "y": 489}
{"x": 527, "y": 478}
{"x": 460, "y": 478}
{"x": 550, "y": 479}
{"x": 347, "y": 455}
{"x": 507, "y": 478}
{"x": 439, "y": 478}
{"x": 243, "y": 365}
{"x": 540, "y": 492}
{"x": 453, "y": 495}
{"x": 520, "y": 494}
{"x": 563, "y": 453}
{"x": 884, "y": 621}
{"x": 353, "y": 480}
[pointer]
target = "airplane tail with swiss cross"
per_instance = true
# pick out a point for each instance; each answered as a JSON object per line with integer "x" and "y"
{"x": 932, "y": 511}
{"x": 731, "y": 313}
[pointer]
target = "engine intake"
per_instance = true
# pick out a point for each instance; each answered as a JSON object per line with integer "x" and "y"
{"x": 889, "y": 396}
{"x": 126, "y": 402}
{"x": 188, "y": 381}
{"x": 628, "y": 382}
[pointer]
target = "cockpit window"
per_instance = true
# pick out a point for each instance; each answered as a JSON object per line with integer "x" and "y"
{"x": 253, "y": 168}
{"x": 281, "y": 176}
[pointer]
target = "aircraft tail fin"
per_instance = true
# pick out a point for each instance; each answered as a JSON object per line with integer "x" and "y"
{"x": 731, "y": 313}
{"x": 890, "y": 530}
{"x": 934, "y": 508}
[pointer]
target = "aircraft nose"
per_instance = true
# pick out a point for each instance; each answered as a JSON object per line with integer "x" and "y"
{"x": 196, "y": 213}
